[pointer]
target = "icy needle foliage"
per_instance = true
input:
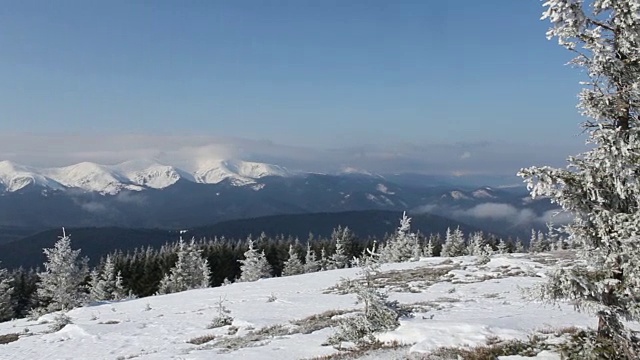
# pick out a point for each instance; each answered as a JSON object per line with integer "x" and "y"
{"x": 6, "y": 309}
{"x": 61, "y": 283}
{"x": 106, "y": 284}
{"x": 601, "y": 186}
{"x": 254, "y": 265}
{"x": 404, "y": 245}
{"x": 190, "y": 271}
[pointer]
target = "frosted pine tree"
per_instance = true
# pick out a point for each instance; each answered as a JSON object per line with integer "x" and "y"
{"x": 342, "y": 238}
{"x": 293, "y": 265}
{"x": 311, "y": 264}
{"x": 6, "y": 290}
{"x": 402, "y": 246}
{"x": 378, "y": 313}
{"x": 454, "y": 244}
{"x": 476, "y": 244}
{"x": 324, "y": 262}
{"x": 502, "y": 247}
{"x": 537, "y": 242}
{"x": 601, "y": 187}
{"x": 519, "y": 246}
{"x": 106, "y": 284}
{"x": 254, "y": 265}
{"x": 190, "y": 271}
{"x": 428, "y": 249}
{"x": 61, "y": 283}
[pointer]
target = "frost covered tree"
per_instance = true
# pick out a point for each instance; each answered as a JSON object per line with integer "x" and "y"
{"x": 254, "y": 265}
{"x": 342, "y": 238}
{"x": 190, "y": 271}
{"x": 502, "y": 247}
{"x": 476, "y": 244}
{"x": 378, "y": 313}
{"x": 428, "y": 249}
{"x": 600, "y": 187}
{"x": 293, "y": 265}
{"x": 454, "y": 244}
{"x": 106, "y": 283}
{"x": 537, "y": 243}
{"x": 311, "y": 264}
{"x": 6, "y": 290}
{"x": 519, "y": 246}
{"x": 403, "y": 245}
{"x": 61, "y": 283}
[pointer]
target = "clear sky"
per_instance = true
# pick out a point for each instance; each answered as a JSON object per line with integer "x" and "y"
{"x": 318, "y": 74}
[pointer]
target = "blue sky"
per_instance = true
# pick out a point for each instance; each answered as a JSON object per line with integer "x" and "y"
{"x": 318, "y": 74}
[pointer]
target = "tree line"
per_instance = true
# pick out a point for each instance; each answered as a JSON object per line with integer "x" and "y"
{"x": 66, "y": 281}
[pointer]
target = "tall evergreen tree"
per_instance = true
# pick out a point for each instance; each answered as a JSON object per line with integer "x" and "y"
{"x": 106, "y": 283}
{"x": 311, "y": 264}
{"x": 293, "y": 265}
{"x": 342, "y": 238}
{"x": 190, "y": 271}
{"x": 601, "y": 187}
{"x": 61, "y": 283}
{"x": 6, "y": 290}
{"x": 403, "y": 245}
{"x": 454, "y": 244}
{"x": 254, "y": 265}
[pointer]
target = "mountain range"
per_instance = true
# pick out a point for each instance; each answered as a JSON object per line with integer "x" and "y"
{"x": 148, "y": 194}
{"x": 135, "y": 175}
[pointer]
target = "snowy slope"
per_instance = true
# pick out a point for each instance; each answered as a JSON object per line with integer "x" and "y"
{"x": 14, "y": 177}
{"x": 91, "y": 177}
{"x": 237, "y": 172}
{"x": 151, "y": 174}
{"x": 465, "y": 304}
{"x": 135, "y": 175}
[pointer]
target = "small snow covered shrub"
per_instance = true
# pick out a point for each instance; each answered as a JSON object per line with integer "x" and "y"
{"x": 59, "y": 322}
{"x": 585, "y": 345}
{"x": 223, "y": 318}
{"x": 379, "y": 314}
{"x": 202, "y": 339}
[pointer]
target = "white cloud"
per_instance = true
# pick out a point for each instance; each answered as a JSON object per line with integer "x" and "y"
{"x": 501, "y": 211}
{"x": 186, "y": 151}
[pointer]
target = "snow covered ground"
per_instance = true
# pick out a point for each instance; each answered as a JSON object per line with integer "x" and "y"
{"x": 456, "y": 302}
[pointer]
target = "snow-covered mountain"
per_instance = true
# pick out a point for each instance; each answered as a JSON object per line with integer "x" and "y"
{"x": 238, "y": 172}
{"x": 136, "y": 175}
{"x": 14, "y": 177}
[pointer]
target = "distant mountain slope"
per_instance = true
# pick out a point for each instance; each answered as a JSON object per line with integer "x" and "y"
{"x": 96, "y": 242}
{"x": 135, "y": 175}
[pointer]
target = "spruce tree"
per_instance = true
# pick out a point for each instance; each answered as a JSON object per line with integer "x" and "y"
{"x": 293, "y": 265}
{"x": 454, "y": 244}
{"x": 189, "y": 272}
{"x": 428, "y": 250}
{"x": 502, "y": 247}
{"x": 254, "y": 266}
{"x": 106, "y": 283}
{"x": 61, "y": 283}
{"x": 6, "y": 292}
{"x": 403, "y": 245}
{"x": 342, "y": 238}
{"x": 600, "y": 187}
{"x": 519, "y": 246}
{"x": 311, "y": 264}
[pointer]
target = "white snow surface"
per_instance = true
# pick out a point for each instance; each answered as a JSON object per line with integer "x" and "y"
{"x": 238, "y": 172}
{"x": 470, "y": 304}
{"x": 14, "y": 177}
{"x": 135, "y": 175}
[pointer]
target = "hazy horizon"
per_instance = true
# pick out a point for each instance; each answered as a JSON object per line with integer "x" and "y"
{"x": 391, "y": 87}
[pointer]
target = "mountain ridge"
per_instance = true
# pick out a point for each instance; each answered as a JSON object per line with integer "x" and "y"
{"x": 133, "y": 175}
